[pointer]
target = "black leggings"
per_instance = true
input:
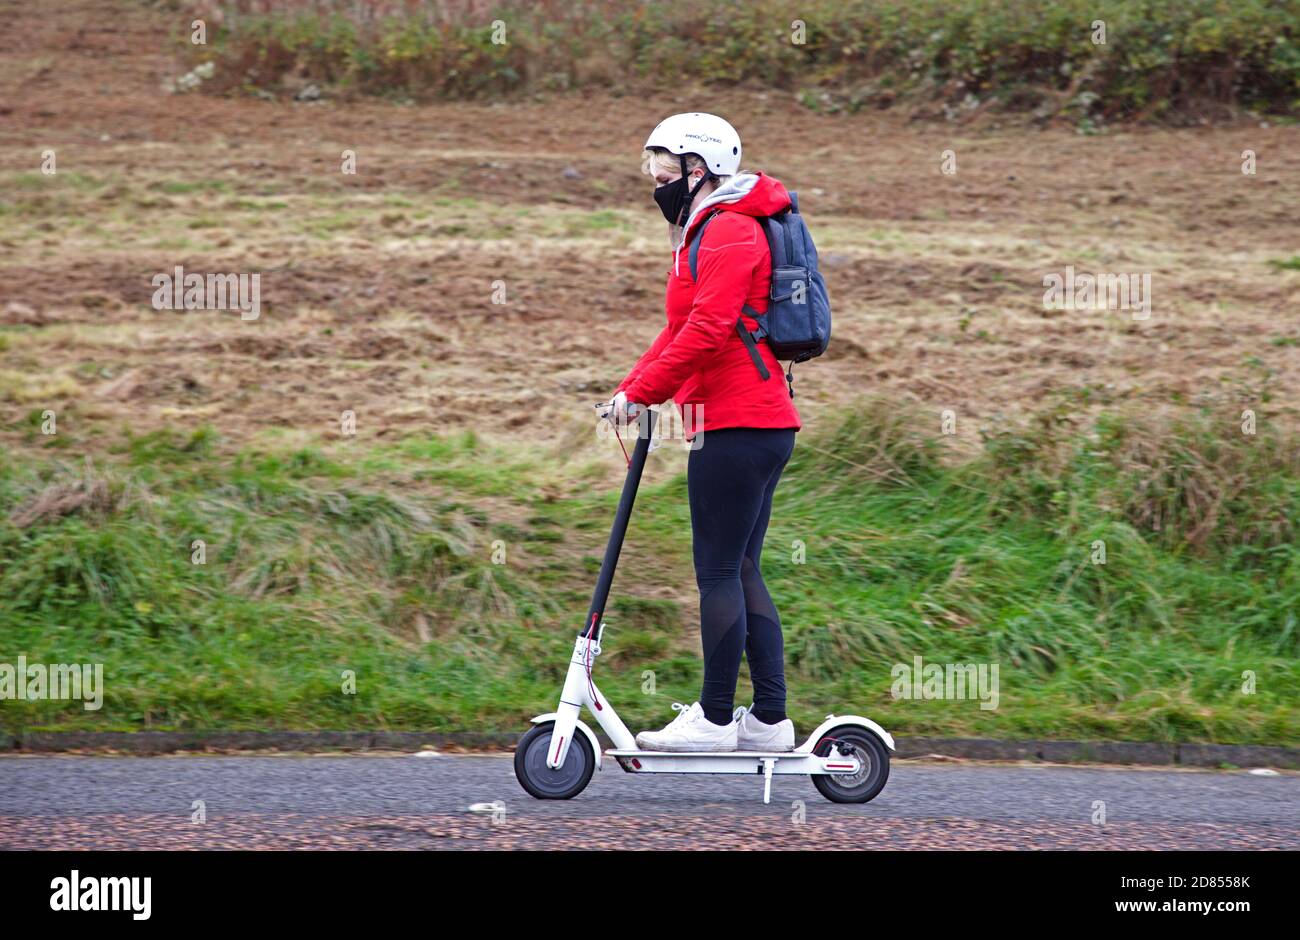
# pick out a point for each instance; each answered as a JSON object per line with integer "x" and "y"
{"x": 730, "y": 479}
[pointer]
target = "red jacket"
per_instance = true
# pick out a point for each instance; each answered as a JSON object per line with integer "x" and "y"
{"x": 698, "y": 359}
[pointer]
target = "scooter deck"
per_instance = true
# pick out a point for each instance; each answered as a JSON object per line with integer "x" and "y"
{"x": 767, "y": 763}
{"x": 759, "y": 755}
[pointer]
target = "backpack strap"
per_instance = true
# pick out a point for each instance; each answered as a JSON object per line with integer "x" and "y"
{"x": 750, "y": 339}
{"x": 692, "y": 256}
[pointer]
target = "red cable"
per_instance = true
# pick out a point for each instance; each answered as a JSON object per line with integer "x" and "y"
{"x": 619, "y": 435}
{"x": 588, "y": 662}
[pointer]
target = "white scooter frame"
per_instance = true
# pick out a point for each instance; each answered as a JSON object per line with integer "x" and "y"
{"x": 846, "y": 755}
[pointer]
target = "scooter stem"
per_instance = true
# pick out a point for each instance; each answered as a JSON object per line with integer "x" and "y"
{"x": 646, "y": 424}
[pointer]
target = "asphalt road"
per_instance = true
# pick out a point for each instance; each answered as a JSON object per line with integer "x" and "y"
{"x": 403, "y": 801}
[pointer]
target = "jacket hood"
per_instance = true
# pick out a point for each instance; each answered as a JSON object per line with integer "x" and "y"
{"x": 755, "y": 194}
{"x": 752, "y": 194}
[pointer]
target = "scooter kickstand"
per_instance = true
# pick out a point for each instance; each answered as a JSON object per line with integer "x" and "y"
{"x": 768, "y": 764}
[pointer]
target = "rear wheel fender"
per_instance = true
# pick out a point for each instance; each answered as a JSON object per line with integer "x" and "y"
{"x": 833, "y": 721}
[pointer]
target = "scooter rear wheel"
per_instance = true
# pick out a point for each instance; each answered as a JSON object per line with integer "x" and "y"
{"x": 867, "y": 782}
{"x": 545, "y": 783}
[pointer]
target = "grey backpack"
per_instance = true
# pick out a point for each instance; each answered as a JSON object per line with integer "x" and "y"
{"x": 797, "y": 324}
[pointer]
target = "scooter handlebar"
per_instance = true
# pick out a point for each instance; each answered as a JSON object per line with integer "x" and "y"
{"x": 632, "y": 409}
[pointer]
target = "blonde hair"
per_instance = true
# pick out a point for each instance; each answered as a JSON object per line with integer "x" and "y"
{"x": 659, "y": 159}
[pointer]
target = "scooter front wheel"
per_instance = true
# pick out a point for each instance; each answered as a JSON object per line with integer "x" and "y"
{"x": 546, "y": 783}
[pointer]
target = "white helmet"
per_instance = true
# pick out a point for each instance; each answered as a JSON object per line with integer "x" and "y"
{"x": 710, "y": 136}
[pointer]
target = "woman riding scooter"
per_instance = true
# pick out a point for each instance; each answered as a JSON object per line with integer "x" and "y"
{"x": 746, "y": 424}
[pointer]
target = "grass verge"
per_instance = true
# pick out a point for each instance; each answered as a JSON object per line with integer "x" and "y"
{"x": 1130, "y": 578}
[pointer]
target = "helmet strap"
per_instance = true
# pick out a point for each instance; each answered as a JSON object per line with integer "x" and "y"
{"x": 690, "y": 193}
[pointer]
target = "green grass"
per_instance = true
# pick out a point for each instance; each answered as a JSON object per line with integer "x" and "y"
{"x": 41, "y": 182}
{"x": 378, "y": 560}
{"x": 181, "y": 187}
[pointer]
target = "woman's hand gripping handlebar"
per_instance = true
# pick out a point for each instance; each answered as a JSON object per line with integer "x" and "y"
{"x": 620, "y": 412}
{"x": 618, "y": 409}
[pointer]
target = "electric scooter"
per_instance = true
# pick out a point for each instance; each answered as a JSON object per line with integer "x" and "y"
{"x": 847, "y": 757}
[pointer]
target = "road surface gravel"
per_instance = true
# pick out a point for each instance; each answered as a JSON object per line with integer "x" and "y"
{"x": 408, "y": 802}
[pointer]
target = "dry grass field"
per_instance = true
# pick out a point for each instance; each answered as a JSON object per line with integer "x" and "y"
{"x": 377, "y": 288}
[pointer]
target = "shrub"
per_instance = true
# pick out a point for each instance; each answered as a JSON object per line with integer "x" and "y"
{"x": 1160, "y": 57}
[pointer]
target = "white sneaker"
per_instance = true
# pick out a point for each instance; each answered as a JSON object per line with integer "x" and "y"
{"x": 689, "y": 731}
{"x": 754, "y": 735}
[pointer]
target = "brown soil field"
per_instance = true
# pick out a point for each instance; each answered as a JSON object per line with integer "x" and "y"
{"x": 377, "y": 288}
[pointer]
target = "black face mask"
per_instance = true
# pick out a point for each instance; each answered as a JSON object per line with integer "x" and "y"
{"x": 675, "y": 198}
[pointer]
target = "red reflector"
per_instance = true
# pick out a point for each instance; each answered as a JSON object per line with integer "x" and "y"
{"x": 636, "y": 763}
